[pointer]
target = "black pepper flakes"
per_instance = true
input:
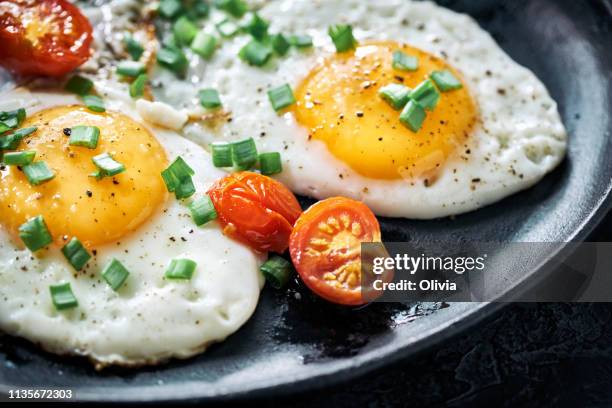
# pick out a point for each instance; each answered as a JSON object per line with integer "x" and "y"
{"x": 67, "y": 131}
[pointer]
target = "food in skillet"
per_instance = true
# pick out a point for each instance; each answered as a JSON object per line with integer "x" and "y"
{"x": 145, "y": 178}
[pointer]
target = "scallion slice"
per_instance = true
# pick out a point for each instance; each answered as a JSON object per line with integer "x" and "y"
{"x": 202, "y": 210}
{"x": 270, "y": 163}
{"x": 79, "y": 85}
{"x": 244, "y": 154}
{"x": 280, "y": 44}
{"x": 300, "y": 41}
{"x": 181, "y": 269}
{"x": 426, "y": 94}
{"x": 209, "y": 98}
{"x": 204, "y": 44}
{"x": 177, "y": 178}
{"x": 130, "y": 68}
{"x": 227, "y": 28}
{"x": 107, "y": 166}
{"x": 221, "y": 154}
{"x": 76, "y": 254}
{"x": 404, "y": 62}
{"x": 170, "y": 8}
{"x": 412, "y": 116}
{"x": 396, "y": 95}
{"x": 18, "y": 158}
{"x": 255, "y": 53}
{"x": 133, "y": 47}
{"x": 445, "y": 80}
{"x": 236, "y": 8}
{"x": 137, "y": 87}
{"x": 11, "y": 119}
{"x": 35, "y": 234}
{"x": 62, "y": 296}
{"x": 94, "y": 103}
{"x": 342, "y": 37}
{"x": 281, "y": 97}
{"x": 173, "y": 58}
{"x": 115, "y": 274}
{"x": 257, "y": 26}
{"x": 184, "y": 31}
{"x": 277, "y": 271}
{"x": 12, "y": 140}
{"x": 85, "y": 136}
{"x": 38, "y": 172}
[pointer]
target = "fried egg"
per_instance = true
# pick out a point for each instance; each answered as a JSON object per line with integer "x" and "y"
{"x": 129, "y": 217}
{"x": 499, "y": 134}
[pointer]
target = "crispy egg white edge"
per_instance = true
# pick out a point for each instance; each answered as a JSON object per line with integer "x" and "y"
{"x": 150, "y": 319}
{"x": 521, "y": 137}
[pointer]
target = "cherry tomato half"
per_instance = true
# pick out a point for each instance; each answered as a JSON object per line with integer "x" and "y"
{"x": 325, "y": 247}
{"x": 255, "y": 209}
{"x": 43, "y": 37}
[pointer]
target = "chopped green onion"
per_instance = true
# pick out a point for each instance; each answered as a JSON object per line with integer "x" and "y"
{"x": 137, "y": 87}
{"x": 35, "y": 234}
{"x": 236, "y": 8}
{"x": 270, "y": 163}
{"x": 170, "y": 8}
{"x": 177, "y": 178}
{"x": 281, "y": 97}
{"x": 181, "y": 269}
{"x": 446, "y": 81}
{"x": 94, "y": 103}
{"x": 85, "y": 136}
{"x": 184, "y": 31}
{"x": 342, "y": 36}
{"x": 221, "y": 154}
{"x": 19, "y": 158}
{"x": 11, "y": 119}
{"x": 174, "y": 59}
{"x": 209, "y": 98}
{"x": 130, "y": 68}
{"x": 12, "y": 140}
{"x": 404, "y": 62}
{"x": 300, "y": 41}
{"x": 198, "y": 9}
{"x": 413, "y": 116}
{"x": 62, "y": 296}
{"x": 255, "y": 53}
{"x": 244, "y": 154}
{"x": 38, "y": 172}
{"x": 280, "y": 44}
{"x": 426, "y": 94}
{"x": 202, "y": 210}
{"x": 76, "y": 254}
{"x": 133, "y": 47}
{"x": 395, "y": 95}
{"x": 277, "y": 271}
{"x": 204, "y": 44}
{"x": 107, "y": 166}
{"x": 257, "y": 27}
{"x": 115, "y": 274}
{"x": 79, "y": 85}
{"x": 227, "y": 28}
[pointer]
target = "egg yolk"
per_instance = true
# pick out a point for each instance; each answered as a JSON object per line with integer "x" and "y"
{"x": 74, "y": 204}
{"x": 338, "y": 103}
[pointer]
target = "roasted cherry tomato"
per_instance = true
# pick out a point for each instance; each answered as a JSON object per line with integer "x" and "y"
{"x": 43, "y": 37}
{"x": 255, "y": 209}
{"x": 325, "y": 247}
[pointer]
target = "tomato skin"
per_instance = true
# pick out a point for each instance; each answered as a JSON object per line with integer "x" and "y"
{"x": 256, "y": 210}
{"x": 321, "y": 265}
{"x": 56, "y": 40}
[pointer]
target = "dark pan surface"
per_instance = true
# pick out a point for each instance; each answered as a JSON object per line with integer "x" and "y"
{"x": 295, "y": 341}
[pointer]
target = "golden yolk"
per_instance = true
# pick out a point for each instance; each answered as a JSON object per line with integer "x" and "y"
{"x": 73, "y": 203}
{"x": 338, "y": 103}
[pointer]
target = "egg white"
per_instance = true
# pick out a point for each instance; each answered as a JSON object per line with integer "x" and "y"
{"x": 519, "y": 140}
{"x": 149, "y": 319}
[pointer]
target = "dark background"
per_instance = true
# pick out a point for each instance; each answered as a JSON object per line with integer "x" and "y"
{"x": 534, "y": 355}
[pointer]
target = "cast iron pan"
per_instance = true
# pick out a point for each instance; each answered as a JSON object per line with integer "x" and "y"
{"x": 295, "y": 342}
